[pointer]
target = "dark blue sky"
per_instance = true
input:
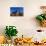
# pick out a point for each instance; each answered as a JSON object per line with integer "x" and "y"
{"x": 16, "y": 9}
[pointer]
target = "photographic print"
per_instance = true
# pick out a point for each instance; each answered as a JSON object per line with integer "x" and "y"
{"x": 16, "y": 11}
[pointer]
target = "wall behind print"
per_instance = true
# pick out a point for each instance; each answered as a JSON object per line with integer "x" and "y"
{"x": 26, "y": 24}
